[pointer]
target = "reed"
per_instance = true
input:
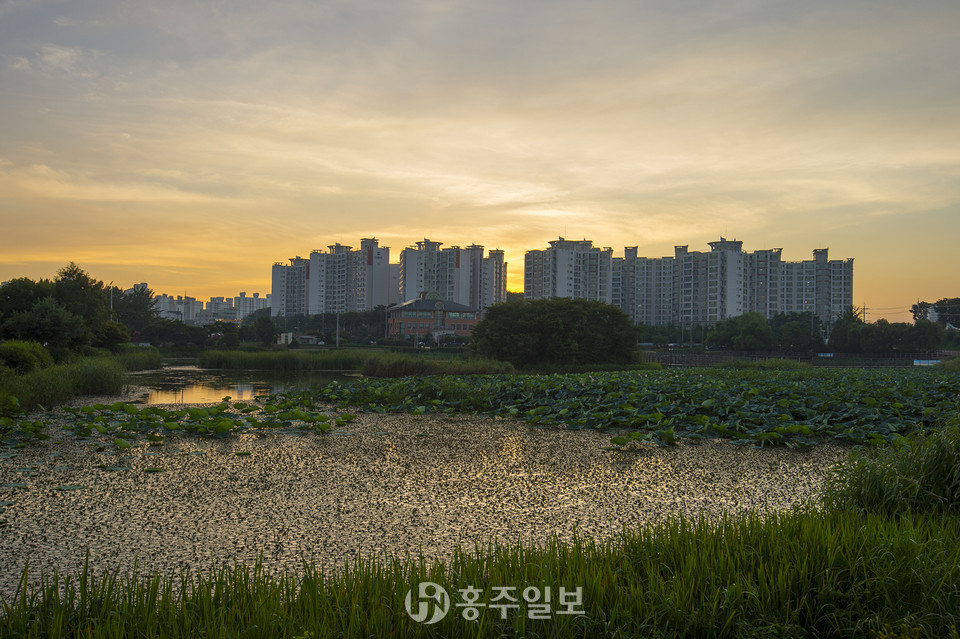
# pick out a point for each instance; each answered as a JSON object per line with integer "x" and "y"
{"x": 370, "y": 362}
{"x": 764, "y": 364}
{"x": 920, "y": 474}
{"x": 140, "y": 358}
{"x": 802, "y": 573}
{"x": 60, "y": 383}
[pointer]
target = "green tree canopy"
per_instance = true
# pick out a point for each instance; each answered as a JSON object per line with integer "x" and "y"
{"x": 555, "y": 331}
{"x": 851, "y": 334}
{"x": 21, "y": 294}
{"x": 747, "y": 332}
{"x": 84, "y": 296}
{"x": 48, "y": 323}
{"x": 134, "y": 309}
{"x": 796, "y": 332}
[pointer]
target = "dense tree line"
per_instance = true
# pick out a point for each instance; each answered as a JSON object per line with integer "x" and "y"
{"x": 802, "y": 332}
{"x": 72, "y": 311}
{"x": 557, "y": 331}
{"x": 360, "y": 327}
{"x": 946, "y": 311}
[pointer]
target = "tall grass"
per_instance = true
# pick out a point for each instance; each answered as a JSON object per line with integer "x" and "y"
{"x": 396, "y": 365}
{"x": 950, "y": 364}
{"x": 140, "y": 358}
{"x": 793, "y": 574}
{"x": 369, "y": 362}
{"x": 920, "y": 474}
{"x": 763, "y": 364}
{"x": 60, "y": 383}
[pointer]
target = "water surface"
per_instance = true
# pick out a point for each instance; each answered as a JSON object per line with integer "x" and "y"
{"x": 192, "y": 385}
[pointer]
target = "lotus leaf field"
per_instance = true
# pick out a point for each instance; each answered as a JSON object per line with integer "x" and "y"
{"x": 790, "y": 407}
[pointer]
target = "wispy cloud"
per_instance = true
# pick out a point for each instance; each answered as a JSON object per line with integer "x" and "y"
{"x": 501, "y": 123}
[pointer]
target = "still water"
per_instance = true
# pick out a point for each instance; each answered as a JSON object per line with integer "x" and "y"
{"x": 192, "y": 385}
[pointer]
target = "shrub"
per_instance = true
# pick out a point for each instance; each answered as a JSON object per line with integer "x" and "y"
{"x": 950, "y": 364}
{"x": 919, "y": 474}
{"x": 23, "y": 356}
{"x": 140, "y": 358}
{"x": 763, "y": 364}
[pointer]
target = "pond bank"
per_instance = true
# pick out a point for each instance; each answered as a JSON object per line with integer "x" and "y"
{"x": 382, "y": 486}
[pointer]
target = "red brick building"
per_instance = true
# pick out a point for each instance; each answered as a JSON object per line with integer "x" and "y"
{"x": 430, "y": 316}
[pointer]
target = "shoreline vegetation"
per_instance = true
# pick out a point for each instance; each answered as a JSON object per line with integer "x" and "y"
{"x": 36, "y": 382}
{"x": 369, "y": 362}
{"x": 878, "y": 554}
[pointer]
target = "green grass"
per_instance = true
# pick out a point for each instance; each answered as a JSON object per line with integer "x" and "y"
{"x": 140, "y": 358}
{"x": 795, "y": 574}
{"x": 949, "y": 364}
{"x": 60, "y": 383}
{"x": 919, "y": 474}
{"x": 369, "y": 362}
{"x": 763, "y": 364}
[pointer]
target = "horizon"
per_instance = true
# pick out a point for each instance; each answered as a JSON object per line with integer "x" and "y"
{"x": 191, "y": 147}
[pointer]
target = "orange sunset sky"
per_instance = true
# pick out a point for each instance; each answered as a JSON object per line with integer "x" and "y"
{"x": 192, "y": 144}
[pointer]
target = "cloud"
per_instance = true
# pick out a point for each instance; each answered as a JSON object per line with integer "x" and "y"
{"x": 501, "y": 123}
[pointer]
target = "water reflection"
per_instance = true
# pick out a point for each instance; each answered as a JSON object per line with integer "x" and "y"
{"x": 192, "y": 385}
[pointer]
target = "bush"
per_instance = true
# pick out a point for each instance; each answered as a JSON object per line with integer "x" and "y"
{"x": 950, "y": 364}
{"x": 558, "y": 331}
{"x": 60, "y": 383}
{"x": 140, "y": 358}
{"x": 763, "y": 364}
{"x": 919, "y": 474}
{"x": 23, "y": 356}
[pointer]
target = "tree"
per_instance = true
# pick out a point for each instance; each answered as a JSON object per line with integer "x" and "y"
{"x": 948, "y": 311}
{"x": 82, "y": 295}
{"x": 555, "y": 331}
{"x": 921, "y": 310}
{"x": 796, "y": 332}
{"x": 175, "y": 334}
{"x": 19, "y": 295}
{"x": 847, "y": 330}
{"x": 747, "y": 332}
{"x": 50, "y": 324}
{"x": 265, "y": 330}
{"x": 225, "y": 335}
{"x": 134, "y": 309}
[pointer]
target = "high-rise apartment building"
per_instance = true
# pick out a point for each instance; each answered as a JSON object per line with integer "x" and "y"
{"x": 569, "y": 268}
{"x": 460, "y": 275}
{"x": 709, "y": 287}
{"x": 340, "y": 280}
{"x": 694, "y": 288}
{"x": 288, "y": 291}
{"x": 820, "y": 286}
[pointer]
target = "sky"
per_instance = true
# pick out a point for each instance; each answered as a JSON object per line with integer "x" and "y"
{"x": 193, "y": 144}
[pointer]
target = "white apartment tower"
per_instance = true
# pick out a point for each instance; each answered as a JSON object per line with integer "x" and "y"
{"x": 574, "y": 269}
{"x": 288, "y": 293}
{"x": 460, "y": 275}
{"x": 820, "y": 286}
{"x": 694, "y": 288}
{"x": 708, "y": 287}
{"x": 340, "y": 280}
